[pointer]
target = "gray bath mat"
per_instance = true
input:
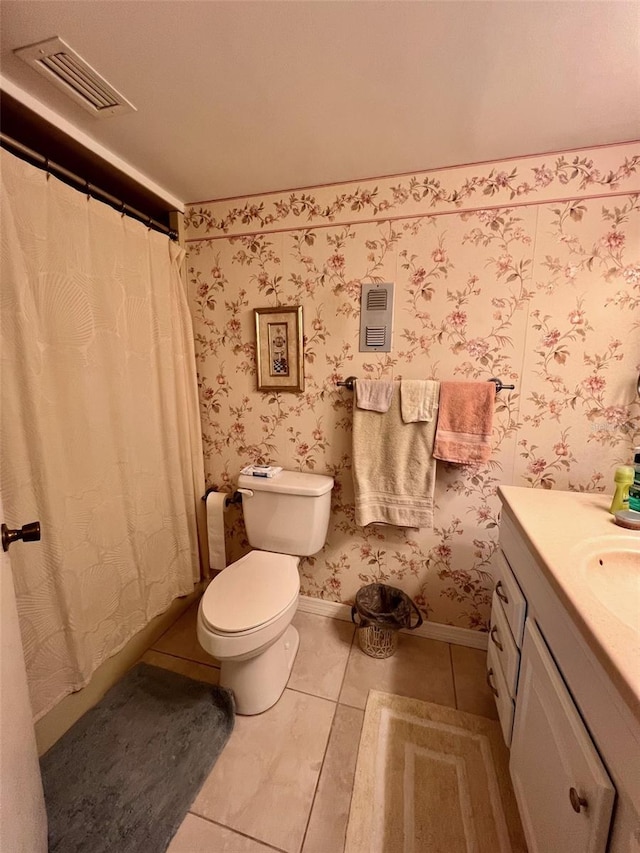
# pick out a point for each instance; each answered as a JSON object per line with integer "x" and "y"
{"x": 123, "y": 777}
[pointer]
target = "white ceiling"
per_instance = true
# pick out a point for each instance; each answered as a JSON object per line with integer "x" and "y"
{"x": 240, "y": 97}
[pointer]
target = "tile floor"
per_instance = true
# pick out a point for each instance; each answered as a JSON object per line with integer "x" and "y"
{"x": 284, "y": 779}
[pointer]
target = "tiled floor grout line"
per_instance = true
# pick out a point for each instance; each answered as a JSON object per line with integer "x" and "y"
{"x": 309, "y": 693}
{"x": 344, "y": 837}
{"x": 353, "y": 707}
{"x": 315, "y": 790}
{"x": 344, "y": 674}
{"x": 353, "y": 641}
{"x": 237, "y": 832}
{"x": 181, "y": 657}
{"x": 333, "y": 722}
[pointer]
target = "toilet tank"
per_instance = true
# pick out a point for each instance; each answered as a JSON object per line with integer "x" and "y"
{"x": 289, "y": 513}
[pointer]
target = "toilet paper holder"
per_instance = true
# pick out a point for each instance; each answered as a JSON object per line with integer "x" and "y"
{"x": 234, "y": 498}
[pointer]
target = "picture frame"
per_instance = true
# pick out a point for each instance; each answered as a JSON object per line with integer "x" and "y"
{"x": 279, "y": 348}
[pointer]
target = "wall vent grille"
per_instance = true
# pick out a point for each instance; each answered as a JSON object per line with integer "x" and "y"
{"x": 377, "y": 300}
{"x": 376, "y": 317}
{"x": 62, "y": 66}
{"x": 376, "y": 337}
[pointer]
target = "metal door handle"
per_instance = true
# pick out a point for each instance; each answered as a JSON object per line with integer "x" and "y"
{"x": 577, "y": 802}
{"x": 489, "y": 682}
{"x": 494, "y": 631}
{"x": 500, "y": 593}
{"x": 28, "y": 533}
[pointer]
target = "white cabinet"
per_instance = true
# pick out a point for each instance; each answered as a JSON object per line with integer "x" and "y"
{"x": 564, "y": 793}
{"x": 562, "y": 716}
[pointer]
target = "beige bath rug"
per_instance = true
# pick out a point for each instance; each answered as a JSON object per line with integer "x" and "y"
{"x": 431, "y": 779}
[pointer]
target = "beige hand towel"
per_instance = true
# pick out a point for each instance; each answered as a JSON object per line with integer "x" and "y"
{"x": 465, "y": 419}
{"x": 374, "y": 394}
{"x": 393, "y": 467}
{"x": 419, "y": 399}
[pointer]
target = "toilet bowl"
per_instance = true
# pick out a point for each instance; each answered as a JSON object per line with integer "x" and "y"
{"x": 244, "y": 618}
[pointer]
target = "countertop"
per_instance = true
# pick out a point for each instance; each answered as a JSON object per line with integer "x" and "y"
{"x": 560, "y": 528}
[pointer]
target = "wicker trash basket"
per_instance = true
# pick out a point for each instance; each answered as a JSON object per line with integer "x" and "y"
{"x": 381, "y": 611}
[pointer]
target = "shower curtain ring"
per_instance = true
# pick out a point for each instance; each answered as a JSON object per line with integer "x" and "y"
{"x": 87, "y": 187}
{"x": 46, "y": 166}
{"x": 122, "y": 209}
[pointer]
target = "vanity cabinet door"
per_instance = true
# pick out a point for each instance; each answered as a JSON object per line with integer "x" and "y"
{"x": 501, "y": 641}
{"x": 565, "y": 796}
{"x": 498, "y": 686}
{"x": 513, "y": 601}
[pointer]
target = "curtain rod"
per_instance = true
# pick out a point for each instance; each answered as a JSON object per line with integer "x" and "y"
{"x": 79, "y": 183}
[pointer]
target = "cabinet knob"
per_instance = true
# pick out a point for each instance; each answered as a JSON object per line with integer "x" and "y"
{"x": 494, "y": 631}
{"x": 491, "y": 687}
{"x": 577, "y": 802}
{"x": 501, "y": 595}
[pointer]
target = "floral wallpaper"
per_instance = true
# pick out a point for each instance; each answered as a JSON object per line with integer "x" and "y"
{"x": 527, "y": 270}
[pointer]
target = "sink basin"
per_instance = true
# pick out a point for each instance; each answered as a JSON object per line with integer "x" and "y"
{"x": 610, "y": 566}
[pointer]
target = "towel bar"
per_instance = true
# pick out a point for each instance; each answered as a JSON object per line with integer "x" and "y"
{"x": 500, "y": 385}
{"x": 349, "y": 384}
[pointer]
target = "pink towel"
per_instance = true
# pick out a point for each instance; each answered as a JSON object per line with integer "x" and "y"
{"x": 374, "y": 394}
{"x": 465, "y": 419}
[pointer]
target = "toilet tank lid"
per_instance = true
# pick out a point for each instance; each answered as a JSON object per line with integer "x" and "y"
{"x": 288, "y": 483}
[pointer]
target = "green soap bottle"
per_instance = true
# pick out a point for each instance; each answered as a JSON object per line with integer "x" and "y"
{"x": 634, "y": 489}
{"x": 623, "y": 479}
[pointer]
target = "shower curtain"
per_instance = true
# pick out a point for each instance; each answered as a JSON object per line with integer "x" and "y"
{"x": 100, "y": 436}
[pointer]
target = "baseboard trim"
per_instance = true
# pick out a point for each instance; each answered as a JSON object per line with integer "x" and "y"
{"x": 429, "y": 630}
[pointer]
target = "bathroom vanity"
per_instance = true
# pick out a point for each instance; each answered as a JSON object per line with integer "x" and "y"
{"x": 564, "y": 666}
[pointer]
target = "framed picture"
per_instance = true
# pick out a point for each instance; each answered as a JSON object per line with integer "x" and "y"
{"x": 279, "y": 350}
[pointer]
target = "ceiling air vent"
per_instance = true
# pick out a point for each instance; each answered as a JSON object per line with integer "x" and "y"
{"x": 376, "y": 317}
{"x": 62, "y": 66}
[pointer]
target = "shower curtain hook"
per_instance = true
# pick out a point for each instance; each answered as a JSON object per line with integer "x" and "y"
{"x": 46, "y": 166}
{"x": 87, "y": 187}
{"x": 122, "y": 210}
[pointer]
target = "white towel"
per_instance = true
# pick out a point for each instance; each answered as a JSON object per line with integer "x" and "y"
{"x": 374, "y": 394}
{"x": 419, "y": 399}
{"x": 394, "y": 470}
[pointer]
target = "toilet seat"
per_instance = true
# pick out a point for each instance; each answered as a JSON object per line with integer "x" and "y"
{"x": 251, "y": 593}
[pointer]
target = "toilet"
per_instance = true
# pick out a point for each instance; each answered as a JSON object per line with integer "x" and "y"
{"x": 244, "y": 618}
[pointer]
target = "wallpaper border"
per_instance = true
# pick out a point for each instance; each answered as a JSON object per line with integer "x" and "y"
{"x": 547, "y": 178}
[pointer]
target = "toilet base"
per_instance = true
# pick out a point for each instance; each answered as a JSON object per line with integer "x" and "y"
{"x": 259, "y": 682}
